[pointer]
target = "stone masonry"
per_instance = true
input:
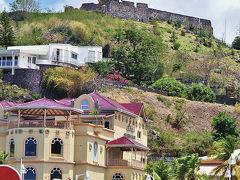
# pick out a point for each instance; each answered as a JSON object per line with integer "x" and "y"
{"x": 128, "y": 10}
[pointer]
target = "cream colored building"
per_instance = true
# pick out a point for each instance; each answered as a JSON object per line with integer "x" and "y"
{"x": 61, "y": 139}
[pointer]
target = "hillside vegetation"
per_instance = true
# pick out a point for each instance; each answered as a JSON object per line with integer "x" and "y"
{"x": 185, "y": 52}
{"x": 179, "y": 126}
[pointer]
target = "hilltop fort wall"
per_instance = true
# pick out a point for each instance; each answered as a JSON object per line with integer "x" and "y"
{"x": 128, "y": 10}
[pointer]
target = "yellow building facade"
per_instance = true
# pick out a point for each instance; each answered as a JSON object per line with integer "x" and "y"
{"x": 69, "y": 139}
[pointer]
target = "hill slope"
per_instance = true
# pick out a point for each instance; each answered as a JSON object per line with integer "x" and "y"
{"x": 194, "y": 134}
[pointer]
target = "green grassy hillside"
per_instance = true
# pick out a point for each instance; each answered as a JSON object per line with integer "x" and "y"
{"x": 184, "y": 43}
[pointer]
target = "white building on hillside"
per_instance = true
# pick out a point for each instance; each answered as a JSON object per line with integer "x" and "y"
{"x": 30, "y": 57}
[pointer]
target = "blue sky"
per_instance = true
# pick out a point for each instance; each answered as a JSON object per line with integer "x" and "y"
{"x": 218, "y": 11}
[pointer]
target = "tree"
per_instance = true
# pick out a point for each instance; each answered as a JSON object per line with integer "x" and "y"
{"x": 204, "y": 68}
{"x": 236, "y": 43}
{"x": 138, "y": 55}
{"x": 7, "y": 37}
{"x": 224, "y": 125}
{"x": 162, "y": 169}
{"x": 3, "y": 157}
{"x": 186, "y": 167}
{"x": 222, "y": 150}
{"x": 25, "y": 5}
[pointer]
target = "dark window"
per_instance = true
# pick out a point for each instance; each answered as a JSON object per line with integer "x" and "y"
{"x": 139, "y": 134}
{"x": 74, "y": 56}
{"x": 57, "y": 146}
{"x": 12, "y": 145}
{"x": 122, "y": 118}
{"x": 30, "y": 147}
{"x": 56, "y": 173}
{"x": 30, "y": 174}
{"x": 118, "y": 176}
{"x": 107, "y": 124}
{"x": 34, "y": 60}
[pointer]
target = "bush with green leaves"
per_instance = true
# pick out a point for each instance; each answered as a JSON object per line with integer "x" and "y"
{"x": 198, "y": 92}
{"x": 236, "y": 43}
{"x": 224, "y": 125}
{"x": 170, "y": 85}
{"x": 176, "y": 45}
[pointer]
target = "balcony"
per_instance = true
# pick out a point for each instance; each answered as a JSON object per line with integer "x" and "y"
{"x": 34, "y": 123}
{"x": 121, "y": 162}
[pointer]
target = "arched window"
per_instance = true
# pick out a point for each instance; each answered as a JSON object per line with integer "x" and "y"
{"x": 84, "y": 105}
{"x": 57, "y": 146}
{"x": 95, "y": 152}
{"x": 11, "y": 148}
{"x": 118, "y": 176}
{"x": 30, "y": 174}
{"x": 31, "y": 147}
{"x": 56, "y": 173}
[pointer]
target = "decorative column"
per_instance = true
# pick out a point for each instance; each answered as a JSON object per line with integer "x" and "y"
{"x": 44, "y": 117}
{"x": 19, "y": 117}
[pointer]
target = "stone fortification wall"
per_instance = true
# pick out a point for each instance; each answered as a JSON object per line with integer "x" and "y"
{"x": 128, "y": 10}
{"x": 25, "y": 78}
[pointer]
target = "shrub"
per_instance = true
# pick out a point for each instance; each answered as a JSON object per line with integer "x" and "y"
{"x": 236, "y": 43}
{"x": 177, "y": 67}
{"x": 164, "y": 100}
{"x": 183, "y": 33}
{"x": 170, "y": 85}
{"x": 176, "y": 45}
{"x": 200, "y": 93}
{"x": 66, "y": 82}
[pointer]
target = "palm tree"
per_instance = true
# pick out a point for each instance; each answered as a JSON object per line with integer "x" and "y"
{"x": 222, "y": 150}
{"x": 3, "y": 157}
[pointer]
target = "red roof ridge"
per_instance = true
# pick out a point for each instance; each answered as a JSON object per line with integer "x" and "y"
{"x": 109, "y": 101}
{"x": 122, "y": 141}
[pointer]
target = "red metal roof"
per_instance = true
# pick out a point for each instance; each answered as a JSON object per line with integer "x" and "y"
{"x": 126, "y": 142}
{"x": 66, "y": 101}
{"x": 7, "y": 104}
{"x": 42, "y": 102}
{"x": 133, "y": 107}
{"x": 107, "y": 103}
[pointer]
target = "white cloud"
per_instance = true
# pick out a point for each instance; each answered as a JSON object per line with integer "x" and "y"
{"x": 218, "y": 11}
{"x": 3, "y": 5}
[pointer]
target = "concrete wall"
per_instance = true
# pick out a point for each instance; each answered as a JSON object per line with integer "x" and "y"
{"x": 128, "y": 10}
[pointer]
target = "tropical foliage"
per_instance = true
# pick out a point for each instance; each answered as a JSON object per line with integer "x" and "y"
{"x": 137, "y": 52}
{"x": 198, "y": 92}
{"x": 183, "y": 168}
{"x": 3, "y": 157}
{"x": 222, "y": 150}
{"x": 224, "y": 125}
{"x": 170, "y": 85}
{"x": 65, "y": 82}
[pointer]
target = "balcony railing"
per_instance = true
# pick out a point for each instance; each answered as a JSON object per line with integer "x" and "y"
{"x": 122, "y": 162}
{"x": 49, "y": 124}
